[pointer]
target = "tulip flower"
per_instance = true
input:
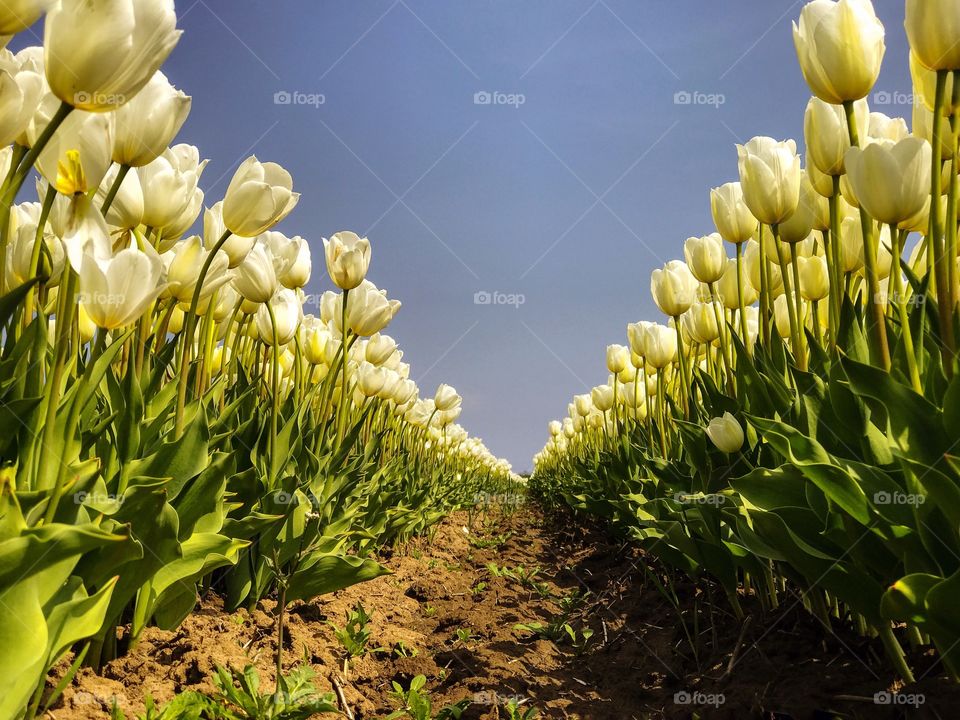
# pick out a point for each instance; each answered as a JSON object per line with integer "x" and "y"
{"x": 814, "y": 278}
{"x": 368, "y": 310}
{"x": 925, "y": 87}
{"x": 891, "y": 180}
{"x": 348, "y": 257}
{"x": 770, "y": 175}
{"x": 17, "y": 15}
{"x": 661, "y": 346}
{"x": 170, "y": 185}
{"x": 602, "y": 397}
{"x": 673, "y": 287}
{"x": 380, "y": 348}
{"x": 126, "y": 207}
{"x": 256, "y": 277}
{"x": 98, "y": 66}
{"x": 700, "y": 322}
{"x": 370, "y": 379}
{"x": 77, "y": 157}
{"x": 826, "y": 135}
{"x": 823, "y": 184}
{"x": 293, "y": 255}
{"x": 85, "y": 231}
{"x": 933, "y": 29}
{"x": 731, "y": 215}
{"x": 705, "y": 257}
{"x": 117, "y": 291}
{"x": 728, "y": 288}
{"x": 446, "y": 398}
{"x": 840, "y": 46}
{"x": 884, "y": 127}
{"x": 315, "y": 337}
{"x": 923, "y": 128}
{"x": 287, "y": 312}
{"x": 725, "y": 433}
{"x": 183, "y": 265}
{"x": 618, "y": 358}
{"x": 21, "y": 89}
{"x": 146, "y": 125}
{"x": 259, "y": 196}
{"x": 783, "y": 316}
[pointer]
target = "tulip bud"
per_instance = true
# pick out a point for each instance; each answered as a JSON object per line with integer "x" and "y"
{"x": 826, "y": 134}
{"x": 705, "y": 257}
{"x": 618, "y": 358}
{"x": 661, "y": 345}
{"x": 446, "y": 398}
{"x": 17, "y": 15}
{"x": 729, "y": 291}
{"x": 674, "y": 288}
{"x": 814, "y": 278}
{"x": 925, "y": 87}
{"x": 725, "y": 433}
{"x": 891, "y": 180}
{"x": 700, "y": 322}
{"x": 731, "y": 215}
{"x": 602, "y": 397}
{"x": 781, "y": 316}
{"x": 287, "y": 311}
{"x": 840, "y": 46}
{"x": 770, "y": 175}
{"x": 256, "y": 278}
{"x": 933, "y": 29}
{"x": 348, "y": 257}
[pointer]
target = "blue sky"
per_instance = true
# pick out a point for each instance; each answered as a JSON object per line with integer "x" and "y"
{"x": 585, "y": 173}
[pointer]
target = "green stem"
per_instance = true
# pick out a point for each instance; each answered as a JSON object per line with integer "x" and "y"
{"x": 742, "y": 305}
{"x": 877, "y": 324}
{"x": 898, "y": 296}
{"x": 895, "y": 652}
{"x": 275, "y": 382}
{"x": 115, "y": 188}
{"x": 189, "y": 327}
{"x": 801, "y": 324}
{"x": 788, "y": 294}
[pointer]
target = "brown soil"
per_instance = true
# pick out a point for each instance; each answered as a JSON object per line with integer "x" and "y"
{"x": 638, "y": 664}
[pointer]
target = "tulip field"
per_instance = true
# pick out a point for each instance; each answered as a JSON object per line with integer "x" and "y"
{"x": 202, "y": 463}
{"x": 792, "y": 420}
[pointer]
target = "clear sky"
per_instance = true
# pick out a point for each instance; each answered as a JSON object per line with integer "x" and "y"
{"x": 583, "y": 172}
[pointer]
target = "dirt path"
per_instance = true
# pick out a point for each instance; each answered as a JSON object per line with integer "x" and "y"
{"x": 638, "y": 663}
